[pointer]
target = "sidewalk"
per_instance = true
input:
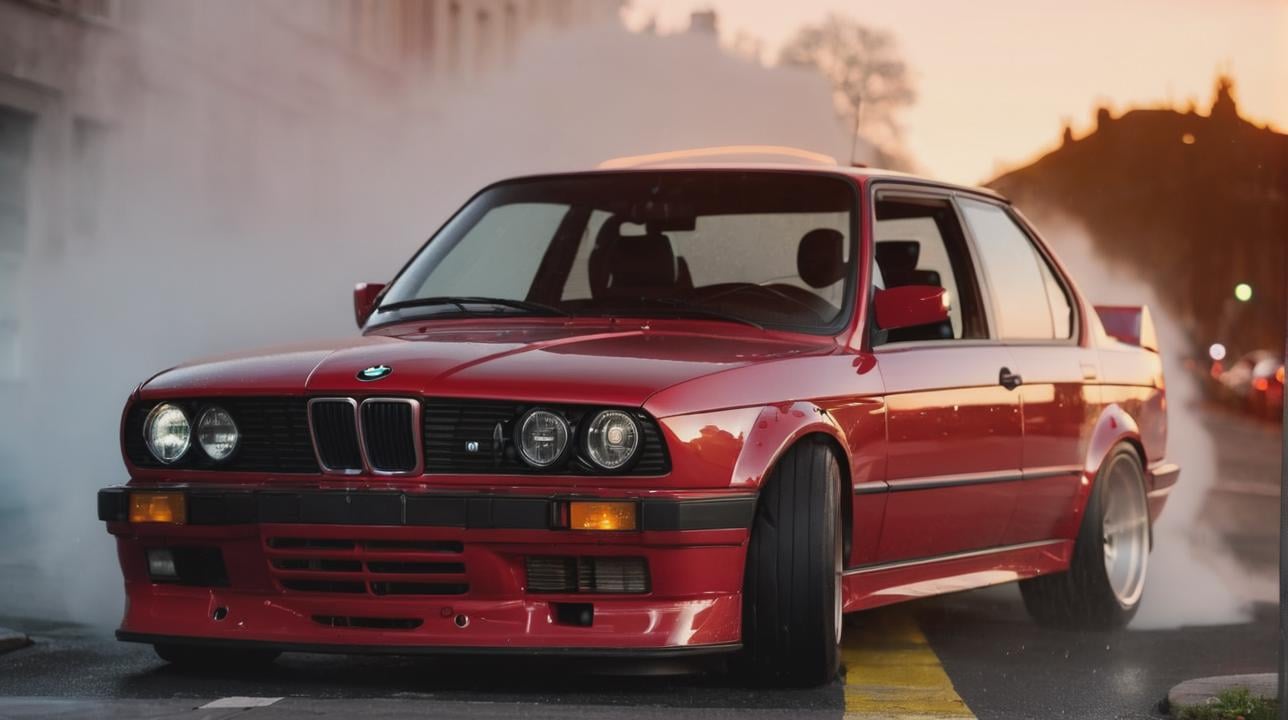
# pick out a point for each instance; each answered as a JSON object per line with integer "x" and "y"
{"x": 1206, "y": 692}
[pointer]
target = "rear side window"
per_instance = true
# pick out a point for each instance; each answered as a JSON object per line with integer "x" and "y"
{"x": 1029, "y": 302}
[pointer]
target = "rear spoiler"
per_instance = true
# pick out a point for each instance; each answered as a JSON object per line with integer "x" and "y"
{"x": 1130, "y": 324}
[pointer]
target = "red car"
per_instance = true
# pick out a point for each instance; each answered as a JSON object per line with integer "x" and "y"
{"x": 657, "y": 411}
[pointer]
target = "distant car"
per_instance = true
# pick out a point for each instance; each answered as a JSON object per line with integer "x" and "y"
{"x": 1266, "y": 394}
{"x": 1254, "y": 383}
{"x": 658, "y": 411}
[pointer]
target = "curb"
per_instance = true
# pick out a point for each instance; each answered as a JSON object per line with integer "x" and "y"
{"x": 12, "y": 640}
{"x": 1202, "y": 691}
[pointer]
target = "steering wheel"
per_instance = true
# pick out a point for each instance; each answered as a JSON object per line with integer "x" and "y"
{"x": 761, "y": 289}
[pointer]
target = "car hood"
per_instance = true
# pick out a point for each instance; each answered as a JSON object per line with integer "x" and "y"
{"x": 611, "y": 363}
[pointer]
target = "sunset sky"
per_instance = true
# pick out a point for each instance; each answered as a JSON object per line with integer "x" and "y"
{"x": 996, "y": 79}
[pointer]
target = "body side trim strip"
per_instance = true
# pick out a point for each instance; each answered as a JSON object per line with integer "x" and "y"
{"x": 1051, "y": 471}
{"x": 942, "y": 481}
{"x": 878, "y": 567}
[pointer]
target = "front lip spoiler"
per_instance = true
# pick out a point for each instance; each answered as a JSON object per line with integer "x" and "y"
{"x": 345, "y": 649}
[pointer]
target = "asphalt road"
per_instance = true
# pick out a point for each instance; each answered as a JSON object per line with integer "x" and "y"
{"x": 997, "y": 663}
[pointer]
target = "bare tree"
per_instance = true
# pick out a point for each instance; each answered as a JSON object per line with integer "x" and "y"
{"x": 865, "y": 70}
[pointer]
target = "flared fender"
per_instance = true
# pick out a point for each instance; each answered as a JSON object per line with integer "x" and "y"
{"x": 1113, "y": 426}
{"x": 776, "y": 429}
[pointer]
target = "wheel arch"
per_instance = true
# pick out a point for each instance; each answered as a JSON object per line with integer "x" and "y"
{"x": 1114, "y": 427}
{"x": 778, "y": 429}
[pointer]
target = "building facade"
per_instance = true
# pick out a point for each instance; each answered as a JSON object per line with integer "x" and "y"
{"x": 68, "y": 67}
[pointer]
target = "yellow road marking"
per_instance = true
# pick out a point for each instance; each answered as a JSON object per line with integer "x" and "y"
{"x": 891, "y": 672}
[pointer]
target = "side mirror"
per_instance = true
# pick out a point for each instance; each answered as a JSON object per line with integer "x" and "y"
{"x": 364, "y": 300}
{"x": 910, "y": 306}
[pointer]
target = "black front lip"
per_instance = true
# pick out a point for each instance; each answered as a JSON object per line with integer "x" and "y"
{"x": 336, "y": 648}
{"x": 478, "y": 510}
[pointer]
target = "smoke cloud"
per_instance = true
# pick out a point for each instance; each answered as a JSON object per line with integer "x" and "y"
{"x": 1188, "y": 573}
{"x": 241, "y": 200}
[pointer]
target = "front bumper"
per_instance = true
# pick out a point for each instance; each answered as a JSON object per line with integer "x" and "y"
{"x": 429, "y": 572}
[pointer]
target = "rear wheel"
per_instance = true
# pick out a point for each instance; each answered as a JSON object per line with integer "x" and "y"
{"x": 1106, "y": 577}
{"x": 214, "y": 658}
{"x": 792, "y": 587}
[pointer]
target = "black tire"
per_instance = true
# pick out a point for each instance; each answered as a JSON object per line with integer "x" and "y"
{"x": 790, "y": 624}
{"x": 214, "y": 658}
{"x": 1082, "y": 597}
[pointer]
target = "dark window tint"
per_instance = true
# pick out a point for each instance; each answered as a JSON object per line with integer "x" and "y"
{"x": 920, "y": 242}
{"x": 1020, "y": 282}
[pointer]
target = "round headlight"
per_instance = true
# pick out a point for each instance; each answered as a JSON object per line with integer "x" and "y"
{"x": 542, "y": 438}
{"x": 612, "y": 439}
{"x": 217, "y": 433}
{"x": 167, "y": 432}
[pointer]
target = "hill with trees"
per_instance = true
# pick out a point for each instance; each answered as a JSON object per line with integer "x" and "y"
{"x": 1195, "y": 203}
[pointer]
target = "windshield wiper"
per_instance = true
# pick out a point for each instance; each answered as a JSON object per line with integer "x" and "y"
{"x": 677, "y": 307}
{"x": 462, "y": 300}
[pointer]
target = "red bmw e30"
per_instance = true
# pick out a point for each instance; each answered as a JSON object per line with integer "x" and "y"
{"x": 657, "y": 411}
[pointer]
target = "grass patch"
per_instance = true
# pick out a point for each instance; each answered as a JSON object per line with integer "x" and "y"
{"x": 1233, "y": 704}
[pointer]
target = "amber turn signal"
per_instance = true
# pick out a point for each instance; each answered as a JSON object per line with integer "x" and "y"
{"x": 148, "y": 507}
{"x": 601, "y": 515}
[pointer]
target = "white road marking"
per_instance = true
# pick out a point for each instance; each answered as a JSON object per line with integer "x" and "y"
{"x": 239, "y": 702}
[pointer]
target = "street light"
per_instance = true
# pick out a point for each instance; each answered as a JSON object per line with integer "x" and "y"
{"x": 1243, "y": 292}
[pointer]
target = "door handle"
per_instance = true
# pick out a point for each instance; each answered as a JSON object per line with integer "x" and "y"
{"x": 1008, "y": 379}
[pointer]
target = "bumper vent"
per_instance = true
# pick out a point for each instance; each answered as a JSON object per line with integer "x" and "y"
{"x": 368, "y": 623}
{"x": 367, "y": 567}
{"x": 587, "y": 575}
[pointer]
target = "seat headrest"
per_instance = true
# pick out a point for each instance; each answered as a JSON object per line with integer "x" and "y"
{"x": 630, "y": 263}
{"x": 646, "y": 261}
{"x": 898, "y": 257}
{"x": 820, "y": 257}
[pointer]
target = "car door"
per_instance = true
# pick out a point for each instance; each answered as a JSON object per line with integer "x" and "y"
{"x": 954, "y": 428}
{"x": 1037, "y": 320}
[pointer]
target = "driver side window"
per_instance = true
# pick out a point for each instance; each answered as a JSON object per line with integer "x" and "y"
{"x": 918, "y": 241}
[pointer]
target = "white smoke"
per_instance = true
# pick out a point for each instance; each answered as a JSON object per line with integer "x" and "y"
{"x": 243, "y": 199}
{"x": 1187, "y": 583}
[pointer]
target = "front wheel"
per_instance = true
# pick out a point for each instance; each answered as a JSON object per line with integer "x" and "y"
{"x": 791, "y": 624}
{"x": 1106, "y": 577}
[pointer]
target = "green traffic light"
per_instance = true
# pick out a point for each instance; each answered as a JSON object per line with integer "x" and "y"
{"x": 1243, "y": 292}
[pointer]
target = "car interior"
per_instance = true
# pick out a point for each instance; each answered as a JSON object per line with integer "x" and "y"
{"x": 920, "y": 242}
{"x": 628, "y": 266}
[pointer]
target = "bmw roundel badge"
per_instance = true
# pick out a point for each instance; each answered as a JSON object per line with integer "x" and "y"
{"x": 375, "y": 372}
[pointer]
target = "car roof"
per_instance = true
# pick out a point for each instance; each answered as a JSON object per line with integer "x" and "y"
{"x": 856, "y": 171}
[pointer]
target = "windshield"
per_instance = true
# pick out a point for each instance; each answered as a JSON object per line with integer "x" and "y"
{"x": 763, "y": 248}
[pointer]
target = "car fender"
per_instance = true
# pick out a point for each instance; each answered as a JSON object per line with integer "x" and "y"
{"x": 1115, "y": 425}
{"x": 776, "y": 429}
